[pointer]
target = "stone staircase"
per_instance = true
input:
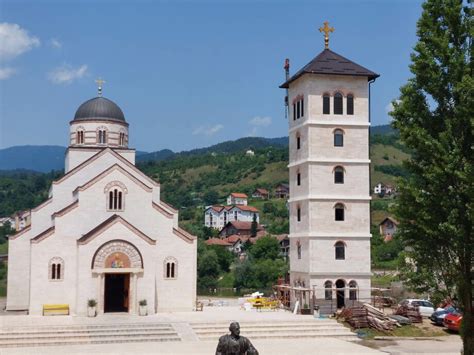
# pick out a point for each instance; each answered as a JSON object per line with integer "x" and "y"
{"x": 87, "y": 334}
{"x": 290, "y": 329}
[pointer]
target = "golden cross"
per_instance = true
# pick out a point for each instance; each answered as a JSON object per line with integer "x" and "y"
{"x": 99, "y": 83}
{"x": 326, "y": 29}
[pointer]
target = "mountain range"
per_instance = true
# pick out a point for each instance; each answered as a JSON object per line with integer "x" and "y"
{"x": 44, "y": 158}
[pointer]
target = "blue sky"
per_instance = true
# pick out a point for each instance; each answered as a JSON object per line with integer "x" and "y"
{"x": 186, "y": 74}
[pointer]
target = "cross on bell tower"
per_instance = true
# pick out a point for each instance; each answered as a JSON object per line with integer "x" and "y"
{"x": 99, "y": 83}
{"x": 326, "y": 29}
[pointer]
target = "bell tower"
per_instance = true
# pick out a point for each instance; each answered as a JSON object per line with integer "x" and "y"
{"x": 328, "y": 104}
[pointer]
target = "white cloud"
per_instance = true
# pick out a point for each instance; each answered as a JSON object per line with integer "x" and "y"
{"x": 15, "y": 40}
{"x": 66, "y": 74}
{"x": 261, "y": 121}
{"x": 208, "y": 131}
{"x": 55, "y": 43}
{"x": 389, "y": 106}
{"x": 7, "y": 72}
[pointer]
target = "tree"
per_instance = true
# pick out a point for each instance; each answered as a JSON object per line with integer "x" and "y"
{"x": 435, "y": 116}
{"x": 266, "y": 248}
{"x": 254, "y": 226}
{"x": 207, "y": 267}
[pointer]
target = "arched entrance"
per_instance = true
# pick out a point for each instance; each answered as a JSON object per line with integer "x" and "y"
{"x": 117, "y": 264}
{"x": 340, "y": 286}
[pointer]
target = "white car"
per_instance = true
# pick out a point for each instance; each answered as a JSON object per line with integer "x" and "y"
{"x": 426, "y": 307}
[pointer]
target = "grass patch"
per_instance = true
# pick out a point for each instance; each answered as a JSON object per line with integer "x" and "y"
{"x": 414, "y": 330}
{"x": 4, "y": 248}
{"x": 383, "y": 281}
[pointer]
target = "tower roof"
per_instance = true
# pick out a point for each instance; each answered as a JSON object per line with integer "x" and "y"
{"x": 99, "y": 108}
{"x": 329, "y": 62}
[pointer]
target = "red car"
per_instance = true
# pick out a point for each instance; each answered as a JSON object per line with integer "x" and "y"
{"x": 452, "y": 321}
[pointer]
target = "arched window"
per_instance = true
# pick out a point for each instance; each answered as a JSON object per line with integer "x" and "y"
{"x": 338, "y": 103}
{"x": 298, "y": 249}
{"x": 80, "y": 137}
{"x": 326, "y": 105}
{"x": 115, "y": 191}
{"x": 102, "y": 136}
{"x": 298, "y": 178}
{"x": 298, "y": 213}
{"x": 339, "y": 212}
{"x": 298, "y": 141}
{"x": 350, "y": 104}
{"x": 340, "y": 249}
{"x": 171, "y": 268}
{"x": 338, "y": 138}
{"x": 328, "y": 290}
{"x": 122, "y": 139}
{"x": 339, "y": 175}
{"x": 56, "y": 269}
{"x": 353, "y": 290}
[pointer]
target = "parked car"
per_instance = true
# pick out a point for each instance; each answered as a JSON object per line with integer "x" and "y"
{"x": 452, "y": 321}
{"x": 426, "y": 307}
{"x": 438, "y": 316}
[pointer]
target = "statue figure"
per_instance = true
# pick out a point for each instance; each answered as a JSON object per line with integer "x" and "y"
{"x": 234, "y": 344}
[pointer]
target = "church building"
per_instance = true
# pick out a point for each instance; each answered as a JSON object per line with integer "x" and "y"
{"x": 104, "y": 233}
{"x": 329, "y": 166}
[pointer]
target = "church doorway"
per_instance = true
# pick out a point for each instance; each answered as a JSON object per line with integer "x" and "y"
{"x": 116, "y": 292}
{"x": 341, "y": 288}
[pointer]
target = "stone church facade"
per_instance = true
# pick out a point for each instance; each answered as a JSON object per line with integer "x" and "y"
{"x": 329, "y": 166}
{"x": 104, "y": 232}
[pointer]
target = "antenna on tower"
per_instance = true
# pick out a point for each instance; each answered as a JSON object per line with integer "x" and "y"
{"x": 287, "y": 76}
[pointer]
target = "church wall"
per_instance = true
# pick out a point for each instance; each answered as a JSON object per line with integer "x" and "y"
{"x": 299, "y": 264}
{"x": 180, "y": 293}
{"x": 357, "y": 255}
{"x": 356, "y": 177}
{"x": 303, "y": 189}
{"x": 356, "y": 218}
{"x": 46, "y": 291}
{"x": 363, "y": 283}
{"x": 18, "y": 278}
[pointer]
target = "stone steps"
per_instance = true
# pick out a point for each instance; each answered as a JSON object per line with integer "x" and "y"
{"x": 277, "y": 330}
{"x": 87, "y": 334}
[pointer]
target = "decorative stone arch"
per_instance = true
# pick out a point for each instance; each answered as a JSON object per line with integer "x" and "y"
{"x": 353, "y": 290}
{"x": 98, "y": 131}
{"x": 79, "y": 136}
{"x": 170, "y": 268}
{"x": 56, "y": 269}
{"x": 337, "y": 130}
{"x": 117, "y": 254}
{"x": 115, "y": 195}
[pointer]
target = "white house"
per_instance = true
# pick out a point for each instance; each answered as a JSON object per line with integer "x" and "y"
{"x": 218, "y": 216}
{"x": 329, "y": 177}
{"x": 104, "y": 232}
{"x": 379, "y": 188}
{"x": 237, "y": 198}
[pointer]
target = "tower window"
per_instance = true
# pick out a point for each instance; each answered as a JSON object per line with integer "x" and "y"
{"x": 353, "y": 290}
{"x": 339, "y": 212}
{"x": 338, "y": 103}
{"x": 298, "y": 249}
{"x": 298, "y": 214}
{"x": 340, "y": 250}
{"x": 350, "y": 104}
{"x": 80, "y": 137}
{"x": 298, "y": 142}
{"x": 338, "y": 138}
{"x": 298, "y": 178}
{"x": 326, "y": 109}
{"x": 298, "y": 110}
{"x": 121, "y": 138}
{"x": 339, "y": 175}
{"x": 102, "y": 136}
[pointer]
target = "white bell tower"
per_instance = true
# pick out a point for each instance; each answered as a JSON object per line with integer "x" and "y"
{"x": 328, "y": 102}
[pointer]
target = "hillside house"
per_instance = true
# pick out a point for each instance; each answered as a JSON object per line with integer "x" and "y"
{"x": 218, "y": 216}
{"x": 237, "y": 198}
{"x": 219, "y": 242}
{"x": 389, "y": 190}
{"x": 388, "y": 227}
{"x": 282, "y": 191}
{"x": 9, "y": 220}
{"x": 379, "y": 188}
{"x": 240, "y": 228}
{"x": 261, "y": 194}
{"x": 22, "y": 220}
{"x": 284, "y": 245}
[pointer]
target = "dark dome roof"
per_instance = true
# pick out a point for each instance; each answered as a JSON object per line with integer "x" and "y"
{"x": 99, "y": 108}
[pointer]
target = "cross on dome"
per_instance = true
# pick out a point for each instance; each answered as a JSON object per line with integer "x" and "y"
{"x": 99, "y": 83}
{"x": 326, "y": 29}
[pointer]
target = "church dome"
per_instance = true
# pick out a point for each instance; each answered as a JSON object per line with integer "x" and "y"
{"x": 99, "y": 108}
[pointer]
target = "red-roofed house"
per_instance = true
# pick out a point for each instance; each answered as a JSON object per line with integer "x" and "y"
{"x": 240, "y": 228}
{"x": 262, "y": 194}
{"x": 218, "y": 216}
{"x": 237, "y": 198}
{"x": 388, "y": 227}
{"x": 218, "y": 241}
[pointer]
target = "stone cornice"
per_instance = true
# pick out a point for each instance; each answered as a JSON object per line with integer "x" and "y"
{"x": 98, "y": 120}
{"x": 23, "y": 231}
{"x": 330, "y": 123}
{"x": 43, "y": 235}
{"x": 162, "y": 210}
{"x": 331, "y": 235}
{"x": 333, "y": 274}
{"x": 328, "y": 161}
{"x": 40, "y": 206}
{"x": 336, "y": 198}
{"x": 66, "y": 209}
{"x": 189, "y": 238}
